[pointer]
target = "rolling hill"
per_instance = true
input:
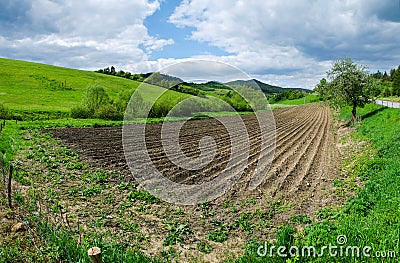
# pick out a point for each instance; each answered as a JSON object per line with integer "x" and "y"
{"x": 34, "y": 87}
{"x": 28, "y": 87}
{"x": 266, "y": 88}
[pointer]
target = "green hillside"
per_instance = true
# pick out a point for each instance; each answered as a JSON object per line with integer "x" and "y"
{"x": 27, "y": 86}
{"x": 266, "y": 88}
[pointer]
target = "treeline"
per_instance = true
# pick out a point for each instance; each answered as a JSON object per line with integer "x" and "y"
{"x": 121, "y": 73}
{"x": 287, "y": 95}
{"x": 385, "y": 76}
{"x": 154, "y": 78}
{"x": 188, "y": 90}
{"x": 390, "y": 83}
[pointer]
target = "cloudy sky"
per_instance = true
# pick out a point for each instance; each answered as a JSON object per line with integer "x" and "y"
{"x": 283, "y": 42}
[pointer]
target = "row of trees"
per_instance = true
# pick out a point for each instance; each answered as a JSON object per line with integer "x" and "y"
{"x": 396, "y": 82}
{"x": 385, "y": 76}
{"x": 287, "y": 95}
{"x": 120, "y": 73}
{"x": 390, "y": 85}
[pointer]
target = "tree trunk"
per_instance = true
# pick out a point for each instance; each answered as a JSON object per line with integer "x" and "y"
{"x": 353, "y": 113}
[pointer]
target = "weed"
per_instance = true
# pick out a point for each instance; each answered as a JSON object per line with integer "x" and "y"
{"x": 91, "y": 191}
{"x": 244, "y": 222}
{"x": 206, "y": 208}
{"x": 142, "y": 195}
{"x": 170, "y": 253}
{"x": 327, "y": 213}
{"x": 176, "y": 233}
{"x": 219, "y": 235}
{"x": 178, "y": 212}
{"x": 205, "y": 247}
{"x": 124, "y": 186}
{"x": 19, "y": 198}
{"x": 300, "y": 219}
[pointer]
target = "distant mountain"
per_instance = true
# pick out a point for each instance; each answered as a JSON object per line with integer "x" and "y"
{"x": 168, "y": 81}
{"x": 266, "y": 88}
{"x": 157, "y": 77}
{"x": 208, "y": 86}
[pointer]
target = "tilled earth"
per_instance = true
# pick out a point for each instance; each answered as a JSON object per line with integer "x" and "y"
{"x": 304, "y": 156}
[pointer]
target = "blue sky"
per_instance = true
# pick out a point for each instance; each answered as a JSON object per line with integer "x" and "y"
{"x": 281, "y": 42}
{"x": 158, "y": 25}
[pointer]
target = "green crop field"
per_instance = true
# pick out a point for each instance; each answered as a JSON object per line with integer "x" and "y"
{"x": 309, "y": 98}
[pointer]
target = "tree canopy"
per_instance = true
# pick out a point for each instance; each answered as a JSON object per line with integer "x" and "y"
{"x": 350, "y": 84}
{"x": 396, "y": 82}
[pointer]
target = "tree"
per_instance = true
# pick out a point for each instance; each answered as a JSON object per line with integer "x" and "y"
{"x": 396, "y": 82}
{"x": 112, "y": 71}
{"x": 350, "y": 85}
{"x": 95, "y": 96}
{"x": 385, "y": 77}
{"x": 392, "y": 72}
{"x": 321, "y": 89}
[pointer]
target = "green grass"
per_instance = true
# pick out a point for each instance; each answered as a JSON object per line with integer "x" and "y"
{"x": 310, "y": 98}
{"x": 372, "y": 217}
{"x": 46, "y": 241}
{"x": 33, "y": 87}
{"x": 61, "y": 245}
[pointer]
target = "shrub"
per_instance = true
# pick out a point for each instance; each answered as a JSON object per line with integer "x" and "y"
{"x": 159, "y": 110}
{"x": 4, "y": 112}
{"x": 122, "y": 100}
{"x": 79, "y": 112}
{"x": 108, "y": 112}
{"x": 95, "y": 96}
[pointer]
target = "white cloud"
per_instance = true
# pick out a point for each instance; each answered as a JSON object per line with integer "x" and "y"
{"x": 84, "y": 34}
{"x": 267, "y": 38}
{"x": 282, "y": 42}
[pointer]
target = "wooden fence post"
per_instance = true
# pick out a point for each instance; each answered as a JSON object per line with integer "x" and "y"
{"x": 95, "y": 255}
{"x": 3, "y": 177}
{"x": 9, "y": 186}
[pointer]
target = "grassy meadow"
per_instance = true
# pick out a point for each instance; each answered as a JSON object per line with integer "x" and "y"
{"x": 32, "y": 87}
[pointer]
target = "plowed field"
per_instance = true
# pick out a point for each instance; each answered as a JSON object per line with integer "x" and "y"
{"x": 303, "y": 157}
{"x": 298, "y": 182}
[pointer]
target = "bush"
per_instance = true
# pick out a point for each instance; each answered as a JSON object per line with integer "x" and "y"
{"x": 95, "y": 96}
{"x": 4, "y": 112}
{"x": 80, "y": 112}
{"x": 159, "y": 110}
{"x": 108, "y": 112}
